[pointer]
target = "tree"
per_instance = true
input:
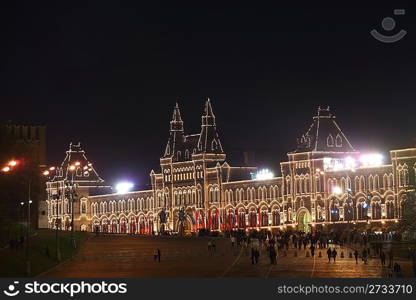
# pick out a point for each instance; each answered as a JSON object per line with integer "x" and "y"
{"x": 408, "y": 220}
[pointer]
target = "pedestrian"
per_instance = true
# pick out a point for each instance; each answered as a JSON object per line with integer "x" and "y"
{"x": 209, "y": 247}
{"x": 391, "y": 256}
{"x": 214, "y": 246}
{"x": 364, "y": 256}
{"x": 383, "y": 258}
{"x": 356, "y": 256}
{"x": 155, "y": 254}
{"x": 397, "y": 270}
{"x": 312, "y": 247}
{"x": 329, "y": 254}
{"x": 257, "y": 255}
{"x": 334, "y": 254}
{"x": 253, "y": 254}
{"x": 158, "y": 254}
{"x": 270, "y": 250}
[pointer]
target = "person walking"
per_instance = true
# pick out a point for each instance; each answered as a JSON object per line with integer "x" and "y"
{"x": 253, "y": 254}
{"x": 329, "y": 254}
{"x": 365, "y": 256}
{"x": 334, "y": 255}
{"x": 391, "y": 257}
{"x": 312, "y": 247}
{"x": 209, "y": 247}
{"x": 270, "y": 250}
{"x": 158, "y": 254}
{"x": 382, "y": 258}
{"x": 214, "y": 246}
{"x": 356, "y": 256}
{"x": 155, "y": 254}
{"x": 257, "y": 256}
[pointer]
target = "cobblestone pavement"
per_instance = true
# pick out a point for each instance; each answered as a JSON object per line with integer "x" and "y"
{"x": 125, "y": 256}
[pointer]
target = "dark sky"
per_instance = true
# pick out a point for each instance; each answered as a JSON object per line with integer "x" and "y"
{"x": 108, "y": 73}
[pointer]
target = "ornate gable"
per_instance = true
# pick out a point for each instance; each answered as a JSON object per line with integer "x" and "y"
{"x": 324, "y": 135}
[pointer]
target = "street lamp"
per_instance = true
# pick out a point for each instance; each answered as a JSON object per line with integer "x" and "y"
{"x": 28, "y": 262}
{"x": 71, "y": 192}
{"x": 48, "y": 174}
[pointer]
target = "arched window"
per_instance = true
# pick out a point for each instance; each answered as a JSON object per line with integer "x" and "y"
{"x": 376, "y": 210}
{"x": 362, "y": 210}
{"x": 276, "y": 217}
{"x": 348, "y": 212}
{"x": 330, "y": 141}
{"x": 390, "y": 209}
{"x": 264, "y": 218}
{"x": 376, "y": 182}
{"x": 213, "y": 145}
{"x": 334, "y": 212}
{"x": 362, "y": 183}
{"x": 241, "y": 219}
{"x": 338, "y": 141}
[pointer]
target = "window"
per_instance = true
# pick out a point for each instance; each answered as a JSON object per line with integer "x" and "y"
{"x": 213, "y": 145}
{"x": 338, "y": 141}
{"x": 330, "y": 141}
{"x": 84, "y": 208}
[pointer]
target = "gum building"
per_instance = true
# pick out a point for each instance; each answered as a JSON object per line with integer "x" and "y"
{"x": 325, "y": 181}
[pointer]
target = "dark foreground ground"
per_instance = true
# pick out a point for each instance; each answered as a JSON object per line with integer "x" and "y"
{"x": 132, "y": 256}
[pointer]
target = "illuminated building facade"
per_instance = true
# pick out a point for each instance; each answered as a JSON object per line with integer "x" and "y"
{"x": 324, "y": 181}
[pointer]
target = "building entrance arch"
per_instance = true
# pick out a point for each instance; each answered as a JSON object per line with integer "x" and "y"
{"x": 304, "y": 220}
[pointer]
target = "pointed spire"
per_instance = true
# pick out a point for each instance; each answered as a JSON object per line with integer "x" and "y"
{"x": 209, "y": 141}
{"x": 176, "y": 124}
{"x": 208, "y": 119}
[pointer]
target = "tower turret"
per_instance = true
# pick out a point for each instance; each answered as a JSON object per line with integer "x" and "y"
{"x": 176, "y": 134}
{"x": 209, "y": 141}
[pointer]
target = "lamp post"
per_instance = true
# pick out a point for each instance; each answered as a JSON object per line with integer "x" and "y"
{"x": 71, "y": 192}
{"x": 28, "y": 261}
{"x": 58, "y": 222}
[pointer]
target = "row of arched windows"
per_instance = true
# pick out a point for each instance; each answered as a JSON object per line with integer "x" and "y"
{"x": 263, "y": 193}
{"x": 187, "y": 196}
{"x": 140, "y": 204}
{"x": 361, "y": 184}
{"x": 59, "y": 208}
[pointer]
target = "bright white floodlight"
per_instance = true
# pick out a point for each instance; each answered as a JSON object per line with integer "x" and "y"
{"x": 124, "y": 187}
{"x": 264, "y": 174}
{"x": 337, "y": 190}
{"x": 374, "y": 159}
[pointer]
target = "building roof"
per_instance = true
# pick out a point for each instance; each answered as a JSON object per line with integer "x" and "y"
{"x": 324, "y": 135}
{"x": 180, "y": 147}
{"x": 84, "y": 171}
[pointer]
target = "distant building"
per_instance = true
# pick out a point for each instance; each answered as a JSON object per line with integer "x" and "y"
{"x": 26, "y": 143}
{"x": 75, "y": 171}
{"x": 325, "y": 181}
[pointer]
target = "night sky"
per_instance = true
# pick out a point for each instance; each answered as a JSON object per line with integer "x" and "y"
{"x": 108, "y": 74}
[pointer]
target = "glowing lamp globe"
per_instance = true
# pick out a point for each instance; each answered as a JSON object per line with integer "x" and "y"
{"x": 264, "y": 174}
{"x": 124, "y": 187}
